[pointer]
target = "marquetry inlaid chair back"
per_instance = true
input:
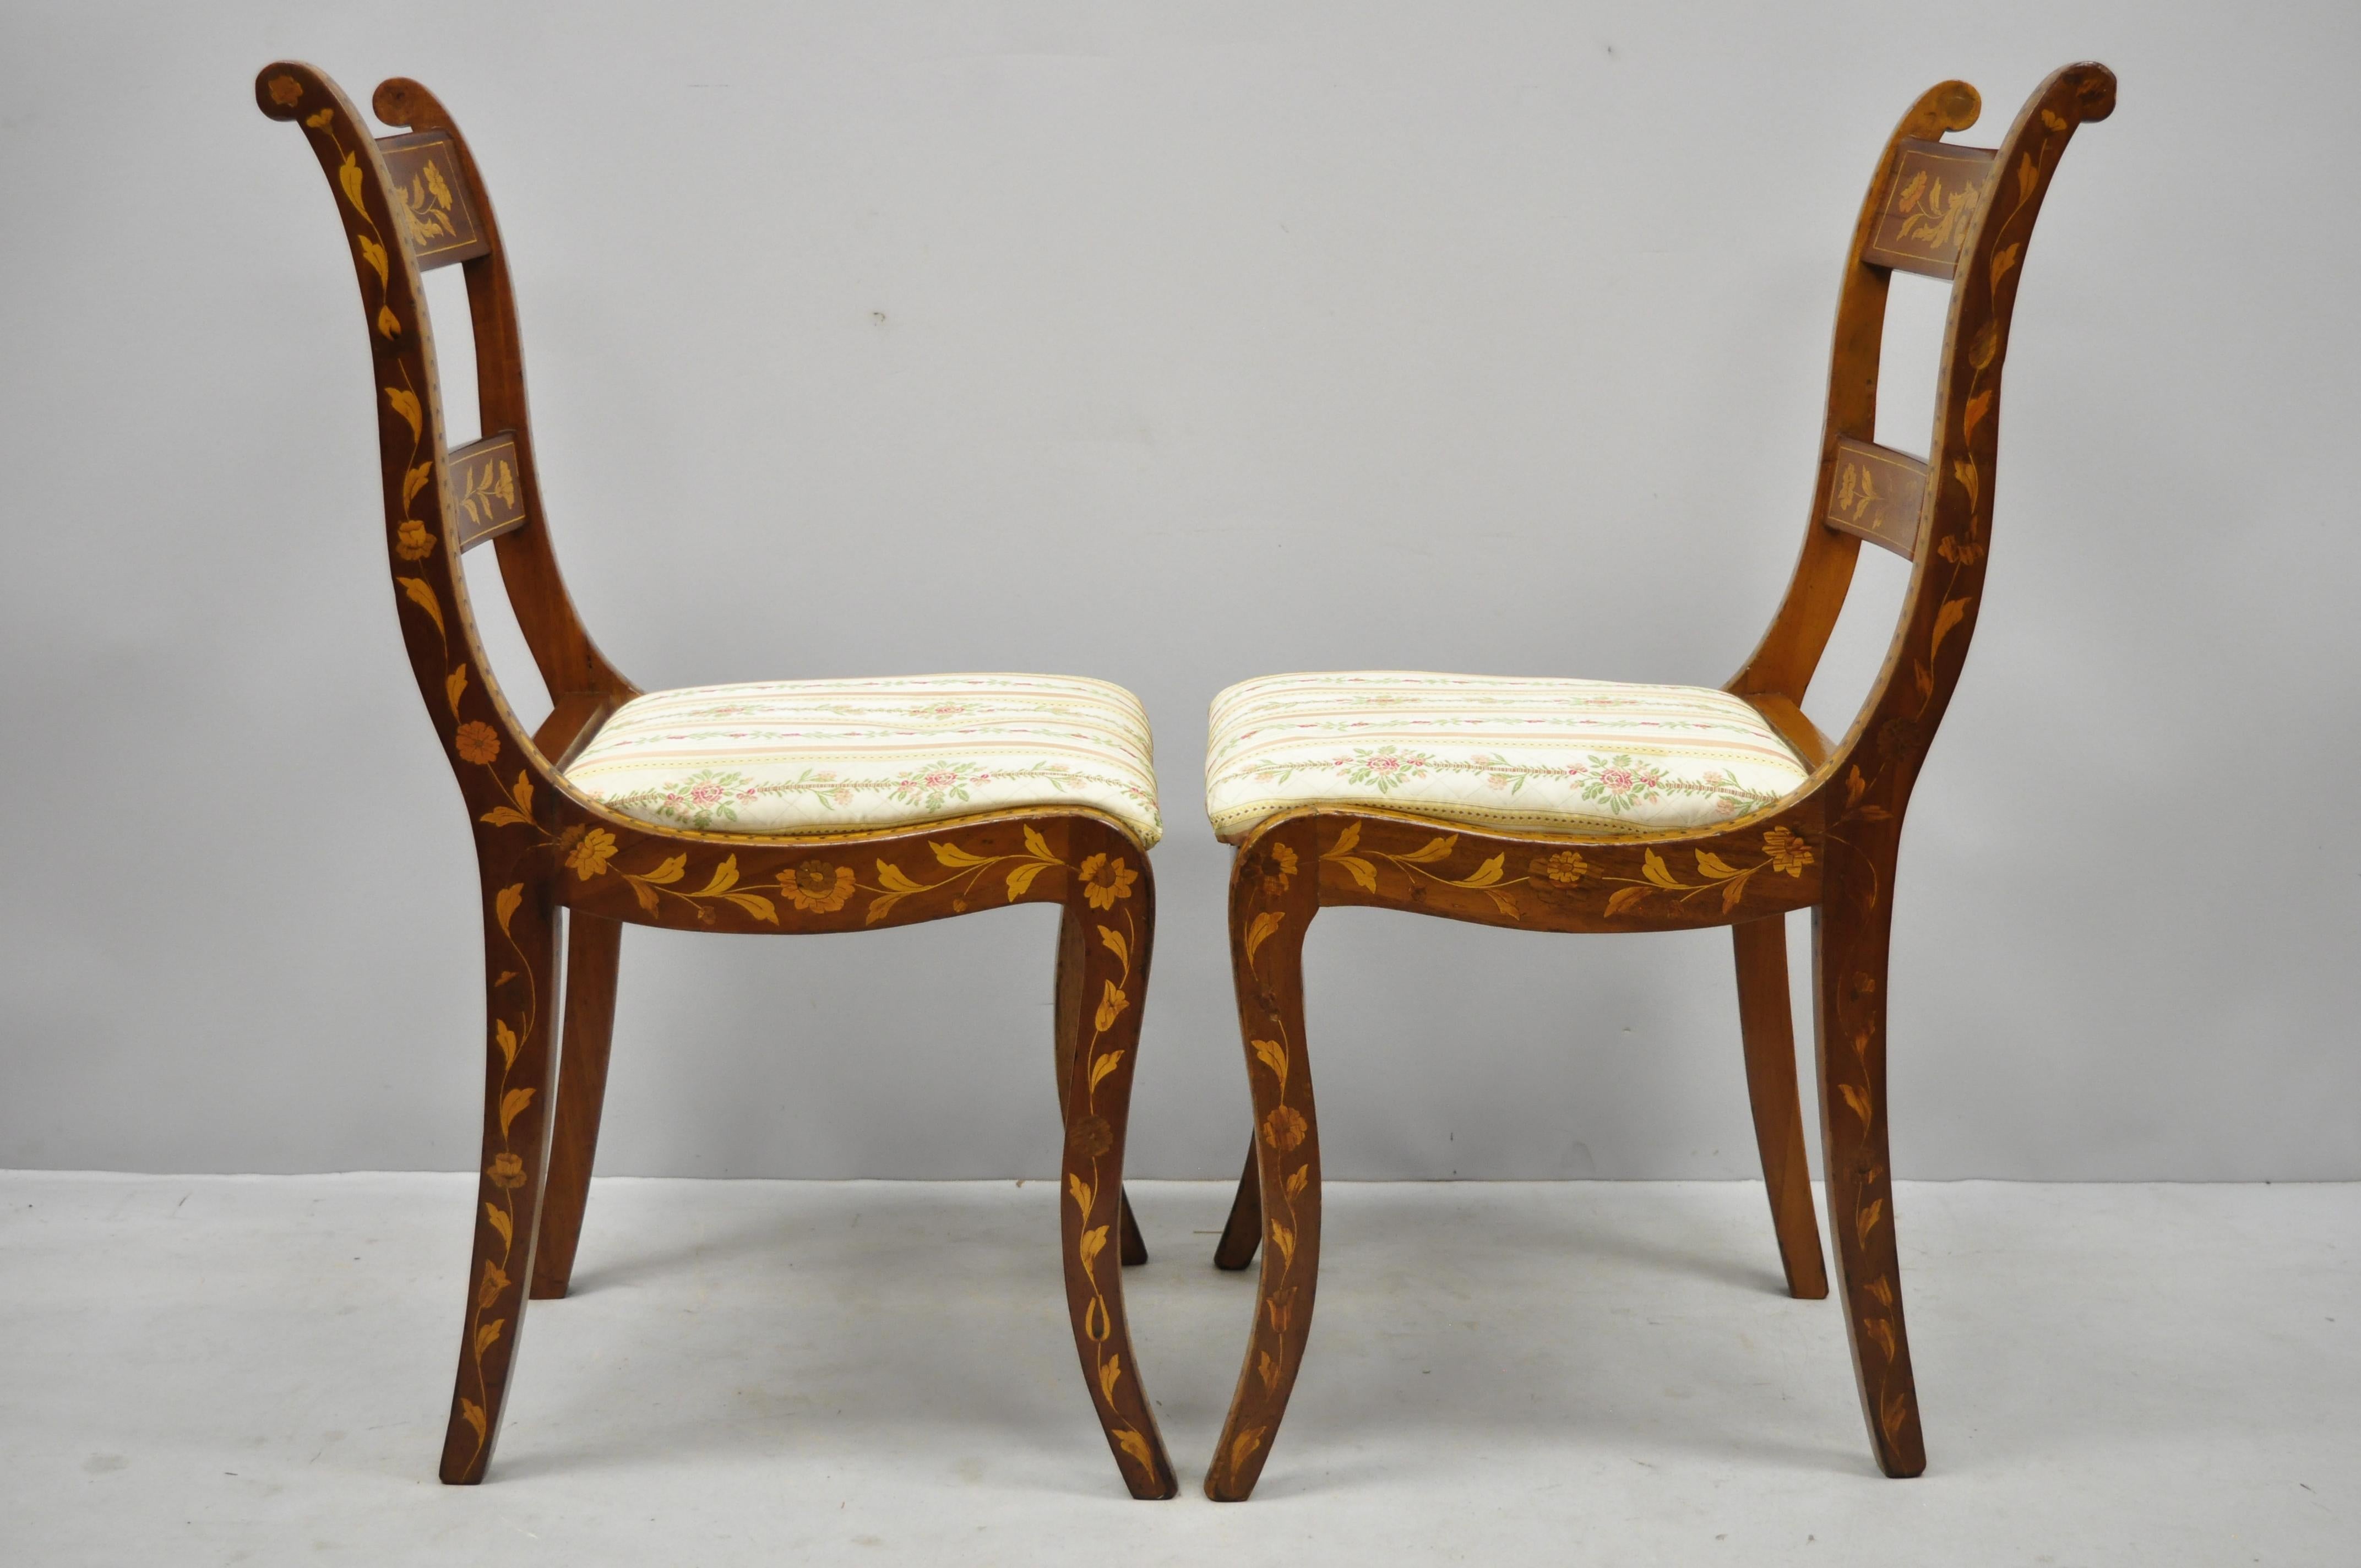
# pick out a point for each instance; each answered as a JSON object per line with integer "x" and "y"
{"x": 413, "y": 202}
{"x": 1962, "y": 214}
{"x": 1956, "y": 212}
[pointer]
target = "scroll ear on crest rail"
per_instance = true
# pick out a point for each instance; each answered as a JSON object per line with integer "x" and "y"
{"x": 1950, "y": 496}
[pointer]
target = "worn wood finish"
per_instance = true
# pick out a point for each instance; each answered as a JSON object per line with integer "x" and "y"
{"x": 1831, "y": 847}
{"x": 542, "y": 848}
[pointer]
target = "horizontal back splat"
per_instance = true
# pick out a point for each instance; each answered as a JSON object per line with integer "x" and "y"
{"x": 486, "y": 499}
{"x": 1876, "y": 495}
{"x": 1929, "y": 206}
{"x": 430, "y": 199}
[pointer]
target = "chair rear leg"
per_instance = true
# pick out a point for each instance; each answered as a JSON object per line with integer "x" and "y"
{"x": 1850, "y": 933}
{"x": 1766, "y": 1022}
{"x": 593, "y": 950}
{"x": 521, "y": 964}
{"x": 1130, "y": 1246}
{"x": 1243, "y": 1233}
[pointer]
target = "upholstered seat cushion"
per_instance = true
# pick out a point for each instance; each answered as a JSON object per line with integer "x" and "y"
{"x": 1524, "y": 755}
{"x": 832, "y": 756}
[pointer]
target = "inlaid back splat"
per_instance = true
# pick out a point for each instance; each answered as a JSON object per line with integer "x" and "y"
{"x": 1877, "y": 494}
{"x": 1932, "y": 202}
{"x": 429, "y": 199}
{"x": 487, "y": 497}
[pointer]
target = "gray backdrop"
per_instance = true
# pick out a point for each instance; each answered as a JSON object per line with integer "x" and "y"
{"x": 1174, "y": 344}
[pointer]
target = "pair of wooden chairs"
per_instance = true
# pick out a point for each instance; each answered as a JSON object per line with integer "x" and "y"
{"x": 1562, "y": 806}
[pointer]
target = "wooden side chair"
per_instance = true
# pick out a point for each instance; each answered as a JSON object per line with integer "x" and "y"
{"x": 794, "y": 807}
{"x": 1573, "y": 806}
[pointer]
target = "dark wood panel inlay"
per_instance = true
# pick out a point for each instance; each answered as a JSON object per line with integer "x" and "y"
{"x": 429, "y": 199}
{"x": 486, "y": 492}
{"x": 1929, "y": 206}
{"x": 1875, "y": 495}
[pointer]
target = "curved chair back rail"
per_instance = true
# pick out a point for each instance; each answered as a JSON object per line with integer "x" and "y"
{"x": 413, "y": 202}
{"x": 1935, "y": 207}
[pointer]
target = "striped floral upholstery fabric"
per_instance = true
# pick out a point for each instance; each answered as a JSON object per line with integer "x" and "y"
{"x": 1535, "y": 755}
{"x": 832, "y": 756}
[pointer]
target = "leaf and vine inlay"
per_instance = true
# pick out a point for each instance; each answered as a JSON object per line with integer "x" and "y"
{"x": 1783, "y": 853}
{"x": 1869, "y": 817}
{"x": 426, "y": 208}
{"x": 1286, "y": 1131}
{"x": 413, "y": 538}
{"x": 819, "y": 885}
{"x": 506, "y": 1172}
{"x": 538, "y": 854}
{"x": 1097, "y": 1196}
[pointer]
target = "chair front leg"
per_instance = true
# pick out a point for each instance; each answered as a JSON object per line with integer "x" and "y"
{"x": 1766, "y": 1021}
{"x": 1073, "y": 935}
{"x": 1112, "y": 918}
{"x": 1849, "y": 932}
{"x": 1274, "y": 893}
{"x": 521, "y": 969}
{"x": 593, "y": 948}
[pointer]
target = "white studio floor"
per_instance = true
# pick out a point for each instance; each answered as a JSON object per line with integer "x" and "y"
{"x": 255, "y": 1370}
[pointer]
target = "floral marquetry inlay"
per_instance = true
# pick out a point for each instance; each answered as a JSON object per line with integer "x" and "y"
{"x": 1356, "y": 771}
{"x": 1270, "y": 904}
{"x": 430, "y": 201}
{"x": 487, "y": 499}
{"x": 1407, "y": 866}
{"x": 1875, "y": 494}
{"x": 1930, "y": 206}
{"x": 1075, "y": 835}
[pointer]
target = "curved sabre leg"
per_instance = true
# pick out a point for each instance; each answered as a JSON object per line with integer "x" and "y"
{"x": 593, "y": 950}
{"x": 1130, "y": 1245}
{"x": 520, "y": 965}
{"x": 1269, "y": 913}
{"x": 1850, "y": 933}
{"x": 1104, "y": 949}
{"x": 1766, "y": 1021}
